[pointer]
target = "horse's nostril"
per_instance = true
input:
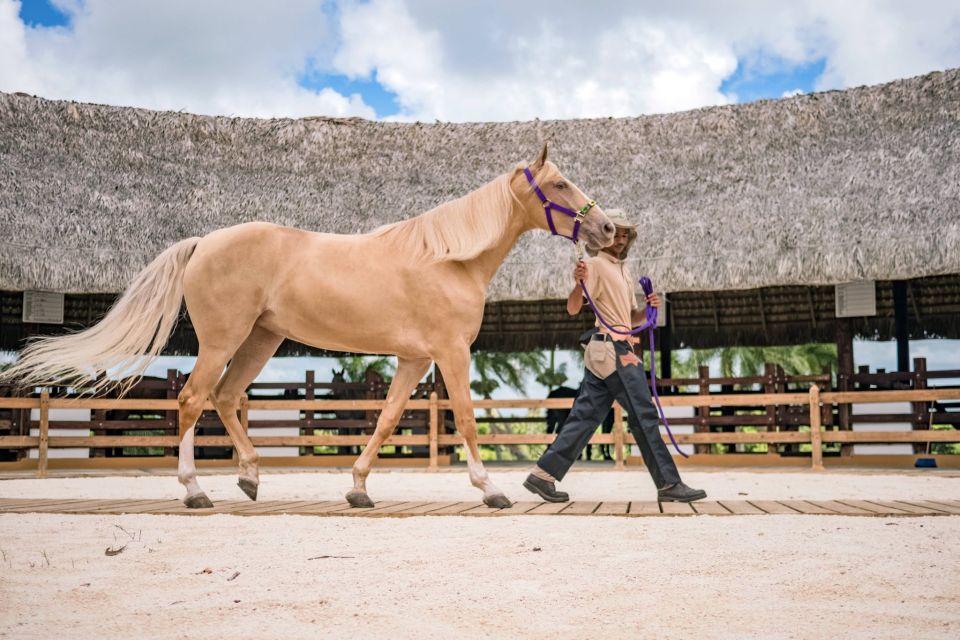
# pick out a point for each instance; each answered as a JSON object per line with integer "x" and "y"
{"x": 609, "y": 228}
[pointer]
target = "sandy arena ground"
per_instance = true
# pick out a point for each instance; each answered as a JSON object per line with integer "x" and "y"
{"x": 511, "y": 577}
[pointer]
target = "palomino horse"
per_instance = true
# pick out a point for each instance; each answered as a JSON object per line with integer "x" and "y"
{"x": 250, "y": 286}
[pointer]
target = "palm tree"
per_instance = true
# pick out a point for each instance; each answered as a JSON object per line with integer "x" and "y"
{"x": 355, "y": 367}
{"x": 804, "y": 359}
{"x": 511, "y": 369}
{"x": 552, "y": 377}
{"x": 496, "y": 367}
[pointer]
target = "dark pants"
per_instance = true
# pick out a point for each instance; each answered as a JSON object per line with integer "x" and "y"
{"x": 630, "y": 388}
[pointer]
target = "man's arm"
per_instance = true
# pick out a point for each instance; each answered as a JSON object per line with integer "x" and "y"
{"x": 575, "y": 299}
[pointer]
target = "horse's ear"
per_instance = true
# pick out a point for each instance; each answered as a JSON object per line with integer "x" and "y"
{"x": 542, "y": 158}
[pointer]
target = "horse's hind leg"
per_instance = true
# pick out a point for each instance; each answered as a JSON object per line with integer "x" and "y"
{"x": 206, "y": 372}
{"x": 456, "y": 371}
{"x": 247, "y": 362}
{"x": 409, "y": 372}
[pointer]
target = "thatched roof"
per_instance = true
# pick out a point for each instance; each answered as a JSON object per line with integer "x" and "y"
{"x": 812, "y": 190}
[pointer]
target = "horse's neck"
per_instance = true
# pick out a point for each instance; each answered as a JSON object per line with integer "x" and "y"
{"x": 485, "y": 265}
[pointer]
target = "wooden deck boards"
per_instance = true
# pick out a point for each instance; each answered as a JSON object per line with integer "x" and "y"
{"x": 396, "y": 509}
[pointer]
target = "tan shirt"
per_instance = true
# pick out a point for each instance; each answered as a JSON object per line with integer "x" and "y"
{"x": 611, "y": 286}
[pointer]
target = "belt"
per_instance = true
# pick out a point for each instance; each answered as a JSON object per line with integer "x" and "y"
{"x": 606, "y": 337}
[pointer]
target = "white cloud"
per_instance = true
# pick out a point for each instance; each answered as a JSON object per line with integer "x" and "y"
{"x": 495, "y": 60}
{"x": 634, "y": 67}
{"x": 15, "y": 69}
{"x": 498, "y": 60}
{"x": 792, "y": 93}
{"x": 871, "y": 42}
{"x": 214, "y": 57}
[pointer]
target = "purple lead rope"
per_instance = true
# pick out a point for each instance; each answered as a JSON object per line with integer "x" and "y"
{"x": 649, "y": 325}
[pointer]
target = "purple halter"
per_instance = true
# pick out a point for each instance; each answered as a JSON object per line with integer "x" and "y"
{"x": 549, "y": 207}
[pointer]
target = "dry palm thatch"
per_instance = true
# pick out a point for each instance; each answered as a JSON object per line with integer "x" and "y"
{"x": 814, "y": 189}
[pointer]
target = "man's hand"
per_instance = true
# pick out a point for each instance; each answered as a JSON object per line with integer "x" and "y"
{"x": 580, "y": 271}
{"x": 654, "y": 301}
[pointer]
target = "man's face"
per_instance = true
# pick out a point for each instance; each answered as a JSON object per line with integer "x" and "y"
{"x": 620, "y": 240}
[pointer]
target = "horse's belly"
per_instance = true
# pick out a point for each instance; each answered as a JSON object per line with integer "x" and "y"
{"x": 340, "y": 329}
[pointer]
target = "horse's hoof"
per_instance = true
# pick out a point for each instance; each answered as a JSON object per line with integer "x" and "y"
{"x": 199, "y": 501}
{"x": 359, "y": 499}
{"x": 498, "y": 501}
{"x": 248, "y": 487}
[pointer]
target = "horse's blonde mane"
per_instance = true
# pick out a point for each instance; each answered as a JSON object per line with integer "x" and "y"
{"x": 460, "y": 229}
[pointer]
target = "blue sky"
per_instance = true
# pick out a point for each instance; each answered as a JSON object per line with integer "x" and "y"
{"x": 43, "y": 14}
{"x": 384, "y": 102}
{"x": 779, "y": 79}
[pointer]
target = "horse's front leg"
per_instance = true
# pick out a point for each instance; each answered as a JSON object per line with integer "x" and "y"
{"x": 409, "y": 372}
{"x": 456, "y": 374}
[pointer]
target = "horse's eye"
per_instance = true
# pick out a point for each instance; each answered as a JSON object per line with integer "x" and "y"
{"x": 560, "y": 185}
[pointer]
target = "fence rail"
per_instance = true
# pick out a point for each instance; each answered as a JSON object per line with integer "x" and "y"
{"x": 817, "y": 403}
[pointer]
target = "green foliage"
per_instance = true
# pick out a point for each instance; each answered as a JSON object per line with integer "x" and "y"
{"x": 553, "y": 376}
{"x": 143, "y": 451}
{"x": 517, "y": 452}
{"x": 804, "y": 359}
{"x": 355, "y": 367}
{"x": 496, "y": 367}
{"x": 944, "y": 447}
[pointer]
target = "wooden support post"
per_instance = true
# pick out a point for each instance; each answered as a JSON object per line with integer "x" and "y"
{"x": 901, "y": 320}
{"x": 666, "y": 345}
{"x": 44, "y": 434}
{"x": 816, "y": 438}
{"x": 844, "y": 336}
{"x": 434, "y": 432}
{"x": 618, "y": 453}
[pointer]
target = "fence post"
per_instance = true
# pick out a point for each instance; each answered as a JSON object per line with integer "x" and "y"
{"x": 244, "y": 419}
{"x": 920, "y": 410}
{"x": 618, "y": 435}
{"x": 770, "y": 386}
{"x": 703, "y": 413}
{"x": 310, "y": 393}
{"x": 44, "y": 433}
{"x": 434, "y": 431}
{"x": 816, "y": 438}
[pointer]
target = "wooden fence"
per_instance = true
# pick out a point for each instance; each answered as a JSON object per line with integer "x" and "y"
{"x": 817, "y": 404}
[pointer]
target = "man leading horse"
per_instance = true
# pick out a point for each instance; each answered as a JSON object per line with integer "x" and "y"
{"x": 613, "y": 371}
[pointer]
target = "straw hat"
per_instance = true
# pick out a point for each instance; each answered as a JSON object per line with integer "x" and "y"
{"x": 620, "y": 220}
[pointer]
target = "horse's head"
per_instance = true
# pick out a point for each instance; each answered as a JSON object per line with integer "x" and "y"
{"x": 559, "y": 206}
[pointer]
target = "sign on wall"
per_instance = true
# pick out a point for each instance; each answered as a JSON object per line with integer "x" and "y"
{"x": 44, "y": 307}
{"x": 856, "y": 299}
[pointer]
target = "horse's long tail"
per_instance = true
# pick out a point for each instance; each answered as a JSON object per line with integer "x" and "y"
{"x": 121, "y": 345}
